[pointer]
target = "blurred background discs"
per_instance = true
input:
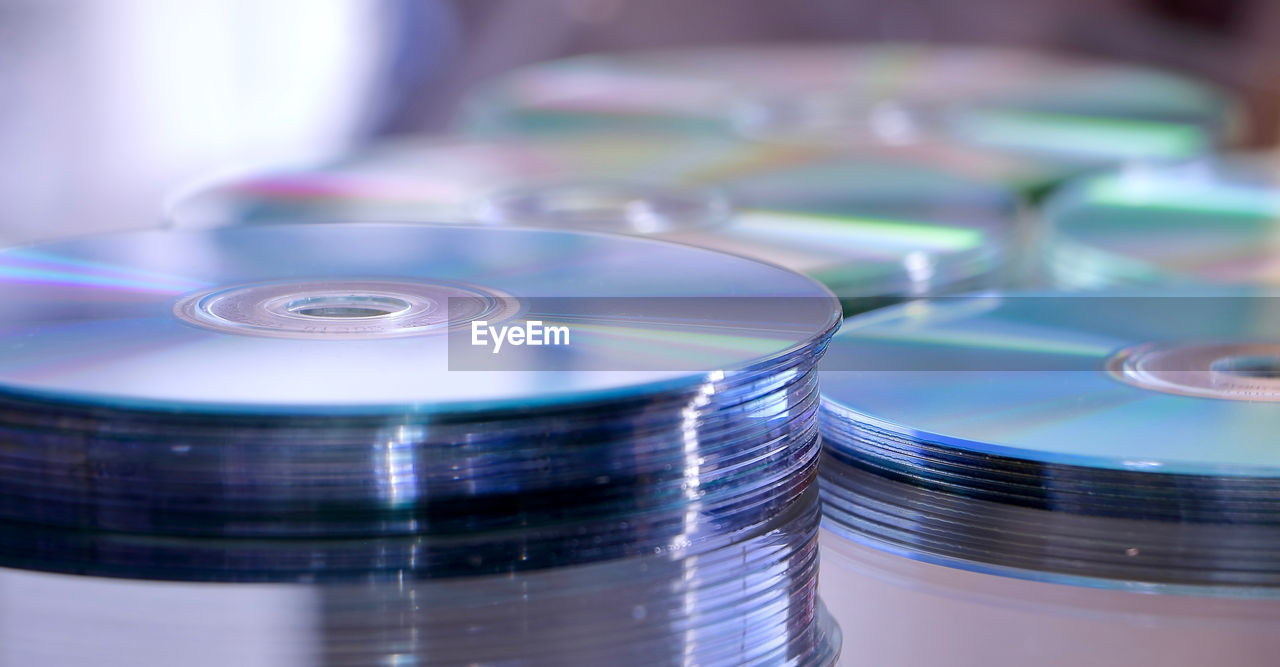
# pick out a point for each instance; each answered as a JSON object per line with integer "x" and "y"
{"x": 1031, "y": 118}
{"x": 1065, "y": 455}
{"x": 1203, "y": 222}
{"x": 870, "y": 225}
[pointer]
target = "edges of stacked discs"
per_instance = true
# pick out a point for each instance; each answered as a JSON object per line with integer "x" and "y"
{"x": 750, "y": 601}
{"x": 1211, "y": 221}
{"x": 873, "y": 227}
{"x": 605, "y": 480}
{"x": 754, "y": 602}
{"x": 1059, "y": 456}
{"x": 306, "y": 404}
{"x": 925, "y": 522}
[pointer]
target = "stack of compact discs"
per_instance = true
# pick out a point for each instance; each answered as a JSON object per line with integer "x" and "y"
{"x": 435, "y": 444}
{"x": 1092, "y": 446}
{"x": 1202, "y": 222}
{"x": 870, "y": 229}
{"x": 1026, "y": 117}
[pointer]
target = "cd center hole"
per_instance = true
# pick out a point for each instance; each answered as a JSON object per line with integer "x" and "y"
{"x": 347, "y": 306}
{"x": 600, "y": 203}
{"x": 601, "y": 207}
{"x": 1262, "y": 367}
{"x": 889, "y": 119}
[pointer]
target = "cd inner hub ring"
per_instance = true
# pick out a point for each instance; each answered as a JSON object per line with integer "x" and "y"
{"x": 327, "y": 309}
{"x": 1231, "y": 371}
{"x": 606, "y": 207}
{"x": 342, "y": 305}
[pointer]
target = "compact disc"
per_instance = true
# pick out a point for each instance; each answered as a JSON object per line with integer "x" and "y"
{"x": 347, "y": 317}
{"x": 465, "y": 383}
{"x": 1122, "y": 440}
{"x": 1212, "y": 221}
{"x": 317, "y": 421}
{"x": 1111, "y": 382}
{"x": 1066, "y": 112}
{"x": 864, "y": 225}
